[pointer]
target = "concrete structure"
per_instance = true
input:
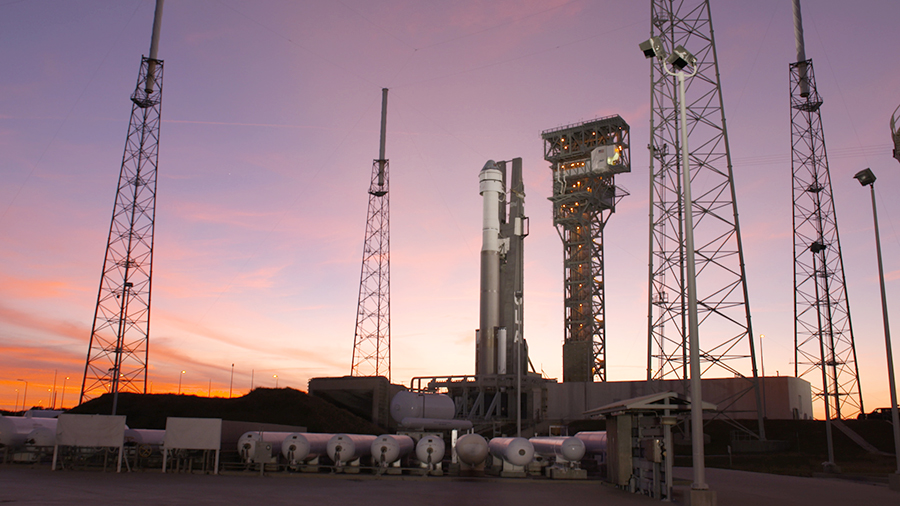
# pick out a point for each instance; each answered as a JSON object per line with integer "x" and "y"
{"x": 366, "y": 397}
{"x": 785, "y": 397}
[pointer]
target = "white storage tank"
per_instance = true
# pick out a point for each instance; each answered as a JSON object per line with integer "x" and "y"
{"x": 430, "y": 450}
{"x": 303, "y": 446}
{"x": 471, "y": 449}
{"x": 248, "y": 444}
{"x": 560, "y": 448}
{"x": 517, "y": 451}
{"x": 40, "y": 436}
{"x": 14, "y": 430}
{"x": 388, "y": 448}
{"x": 148, "y": 437}
{"x": 406, "y": 404}
{"x": 594, "y": 441}
{"x": 345, "y": 448}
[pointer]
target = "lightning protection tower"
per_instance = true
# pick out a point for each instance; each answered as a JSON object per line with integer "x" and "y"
{"x": 726, "y": 344}
{"x": 824, "y": 351}
{"x": 372, "y": 338}
{"x": 118, "y": 350}
{"x": 585, "y": 158}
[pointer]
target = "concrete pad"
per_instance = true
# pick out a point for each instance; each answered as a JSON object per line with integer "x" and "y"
{"x": 894, "y": 482}
{"x": 696, "y": 497}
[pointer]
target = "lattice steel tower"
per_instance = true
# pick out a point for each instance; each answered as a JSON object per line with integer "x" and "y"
{"x": 118, "y": 350}
{"x": 372, "y": 338}
{"x": 726, "y": 344}
{"x": 824, "y": 350}
{"x": 585, "y": 159}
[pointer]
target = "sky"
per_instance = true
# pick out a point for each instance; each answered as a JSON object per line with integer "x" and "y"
{"x": 270, "y": 123}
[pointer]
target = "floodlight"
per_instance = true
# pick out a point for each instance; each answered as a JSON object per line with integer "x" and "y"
{"x": 653, "y": 48}
{"x": 681, "y": 58}
{"x": 865, "y": 177}
{"x": 817, "y": 247}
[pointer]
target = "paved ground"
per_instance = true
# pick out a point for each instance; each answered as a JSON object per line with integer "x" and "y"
{"x": 39, "y": 486}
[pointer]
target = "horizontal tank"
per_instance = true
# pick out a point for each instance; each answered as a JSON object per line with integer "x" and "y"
{"x": 388, "y": 448}
{"x": 344, "y": 448}
{"x": 302, "y": 446}
{"x": 406, "y": 404}
{"x": 248, "y": 442}
{"x": 430, "y": 450}
{"x": 149, "y": 437}
{"x": 515, "y": 450}
{"x": 594, "y": 441}
{"x": 40, "y": 436}
{"x": 471, "y": 449}
{"x": 569, "y": 449}
{"x": 14, "y": 430}
{"x": 435, "y": 424}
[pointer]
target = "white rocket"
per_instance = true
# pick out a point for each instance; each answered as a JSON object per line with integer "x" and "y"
{"x": 491, "y": 187}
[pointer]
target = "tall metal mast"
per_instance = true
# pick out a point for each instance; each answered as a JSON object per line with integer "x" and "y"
{"x": 824, "y": 350}
{"x": 372, "y": 338}
{"x": 585, "y": 158}
{"x": 726, "y": 346}
{"x": 118, "y": 350}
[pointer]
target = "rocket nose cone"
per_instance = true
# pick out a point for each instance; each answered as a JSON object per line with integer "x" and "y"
{"x": 489, "y": 165}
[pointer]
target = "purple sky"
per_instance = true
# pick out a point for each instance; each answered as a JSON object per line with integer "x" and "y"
{"x": 270, "y": 124}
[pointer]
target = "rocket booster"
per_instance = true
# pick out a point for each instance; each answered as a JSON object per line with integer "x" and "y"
{"x": 491, "y": 188}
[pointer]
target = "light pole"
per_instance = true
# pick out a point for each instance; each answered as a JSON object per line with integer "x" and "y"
{"x": 231, "y": 383}
{"x": 24, "y": 394}
{"x": 276, "y": 381}
{"x": 679, "y": 59}
{"x": 867, "y": 178}
{"x": 762, "y": 364}
{"x": 16, "y": 407}
{"x": 62, "y": 404}
{"x": 179, "y": 382}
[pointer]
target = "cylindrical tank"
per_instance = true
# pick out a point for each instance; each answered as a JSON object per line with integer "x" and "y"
{"x": 406, "y": 404}
{"x": 594, "y": 441}
{"x": 515, "y": 450}
{"x": 14, "y": 430}
{"x": 248, "y": 442}
{"x": 471, "y": 449}
{"x": 435, "y": 424}
{"x": 344, "y": 448}
{"x": 388, "y": 448}
{"x": 40, "y": 436}
{"x": 430, "y": 450}
{"x": 149, "y": 437}
{"x": 302, "y": 446}
{"x": 569, "y": 449}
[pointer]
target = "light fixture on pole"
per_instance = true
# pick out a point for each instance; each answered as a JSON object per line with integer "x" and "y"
{"x": 24, "y": 394}
{"x": 179, "y": 381}
{"x": 867, "y": 178}
{"x": 276, "y": 381}
{"x": 62, "y": 403}
{"x": 679, "y": 59}
{"x": 762, "y": 364}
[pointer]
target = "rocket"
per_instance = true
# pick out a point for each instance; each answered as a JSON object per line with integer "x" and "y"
{"x": 490, "y": 185}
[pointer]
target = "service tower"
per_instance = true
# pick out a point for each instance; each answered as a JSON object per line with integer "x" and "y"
{"x": 585, "y": 158}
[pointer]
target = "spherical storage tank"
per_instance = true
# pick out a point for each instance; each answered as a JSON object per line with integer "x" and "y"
{"x": 471, "y": 449}
{"x": 515, "y": 450}
{"x": 388, "y": 448}
{"x": 408, "y": 404}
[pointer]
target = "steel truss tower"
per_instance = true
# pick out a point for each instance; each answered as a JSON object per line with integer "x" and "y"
{"x": 585, "y": 158}
{"x": 726, "y": 344}
{"x": 372, "y": 338}
{"x": 824, "y": 350}
{"x": 118, "y": 351}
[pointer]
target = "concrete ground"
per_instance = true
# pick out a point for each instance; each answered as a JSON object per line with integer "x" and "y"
{"x": 21, "y": 485}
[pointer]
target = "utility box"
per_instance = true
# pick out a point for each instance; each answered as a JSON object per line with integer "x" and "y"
{"x": 640, "y": 451}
